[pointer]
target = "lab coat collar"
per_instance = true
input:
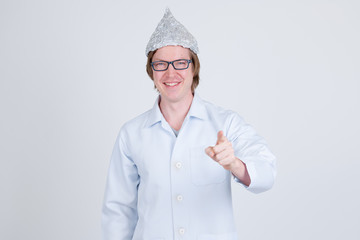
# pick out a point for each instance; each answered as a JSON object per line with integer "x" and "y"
{"x": 197, "y": 110}
{"x": 155, "y": 114}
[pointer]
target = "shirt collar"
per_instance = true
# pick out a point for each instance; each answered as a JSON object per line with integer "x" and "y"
{"x": 155, "y": 114}
{"x": 197, "y": 110}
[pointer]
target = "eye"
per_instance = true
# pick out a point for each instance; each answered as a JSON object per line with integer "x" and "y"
{"x": 159, "y": 64}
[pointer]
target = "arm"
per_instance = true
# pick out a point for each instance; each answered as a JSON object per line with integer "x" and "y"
{"x": 246, "y": 155}
{"x": 223, "y": 153}
{"x": 119, "y": 214}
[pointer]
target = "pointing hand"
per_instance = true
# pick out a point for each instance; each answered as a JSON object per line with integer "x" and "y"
{"x": 222, "y": 152}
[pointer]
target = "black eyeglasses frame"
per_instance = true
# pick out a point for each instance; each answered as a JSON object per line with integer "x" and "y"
{"x": 172, "y": 63}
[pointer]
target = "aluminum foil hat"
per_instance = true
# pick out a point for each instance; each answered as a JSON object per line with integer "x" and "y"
{"x": 170, "y": 32}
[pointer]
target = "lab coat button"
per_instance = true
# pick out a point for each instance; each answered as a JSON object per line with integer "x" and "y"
{"x": 178, "y": 165}
{"x": 182, "y": 231}
{"x": 179, "y": 198}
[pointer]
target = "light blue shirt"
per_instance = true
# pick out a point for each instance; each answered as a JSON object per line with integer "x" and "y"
{"x": 161, "y": 186}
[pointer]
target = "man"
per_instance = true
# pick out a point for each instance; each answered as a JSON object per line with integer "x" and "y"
{"x": 170, "y": 170}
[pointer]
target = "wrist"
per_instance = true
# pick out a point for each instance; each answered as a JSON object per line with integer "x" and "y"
{"x": 237, "y": 166}
{"x": 239, "y": 170}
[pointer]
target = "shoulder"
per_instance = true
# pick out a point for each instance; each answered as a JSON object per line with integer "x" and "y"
{"x": 130, "y": 132}
{"x": 227, "y": 120}
{"x": 136, "y": 123}
{"x": 221, "y": 113}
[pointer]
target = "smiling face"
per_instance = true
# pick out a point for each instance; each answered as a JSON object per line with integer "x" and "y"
{"x": 173, "y": 85}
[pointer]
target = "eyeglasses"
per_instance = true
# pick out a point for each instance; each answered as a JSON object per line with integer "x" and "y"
{"x": 180, "y": 64}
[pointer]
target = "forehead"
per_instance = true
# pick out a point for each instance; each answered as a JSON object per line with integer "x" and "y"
{"x": 171, "y": 53}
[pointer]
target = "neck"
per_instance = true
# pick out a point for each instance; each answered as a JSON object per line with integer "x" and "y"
{"x": 175, "y": 112}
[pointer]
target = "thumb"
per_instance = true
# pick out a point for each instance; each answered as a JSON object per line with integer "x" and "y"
{"x": 221, "y": 137}
{"x": 210, "y": 152}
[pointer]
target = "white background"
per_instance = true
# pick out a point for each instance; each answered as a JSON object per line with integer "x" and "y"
{"x": 72, "y": 72}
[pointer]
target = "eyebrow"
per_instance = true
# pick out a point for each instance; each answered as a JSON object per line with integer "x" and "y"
{"x": 159, "y": 59}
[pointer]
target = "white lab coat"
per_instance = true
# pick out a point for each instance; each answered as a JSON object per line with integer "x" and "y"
{"x": 164, "y": 187}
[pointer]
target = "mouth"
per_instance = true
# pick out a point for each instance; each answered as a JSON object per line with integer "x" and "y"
{"x": 171, "y": 84}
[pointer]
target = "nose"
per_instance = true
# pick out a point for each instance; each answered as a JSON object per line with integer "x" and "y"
{"x": 171, "y": 70}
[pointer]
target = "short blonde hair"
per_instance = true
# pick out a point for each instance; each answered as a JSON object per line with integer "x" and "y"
{"x": 195, "y": 65}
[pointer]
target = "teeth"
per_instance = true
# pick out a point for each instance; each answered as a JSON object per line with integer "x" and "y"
{"x": 171, "y": 84}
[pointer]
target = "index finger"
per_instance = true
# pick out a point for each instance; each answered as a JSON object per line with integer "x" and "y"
{"x": 221, "y": 138}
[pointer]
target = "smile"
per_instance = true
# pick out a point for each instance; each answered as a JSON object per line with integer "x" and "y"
{"x": 172, "y": 84}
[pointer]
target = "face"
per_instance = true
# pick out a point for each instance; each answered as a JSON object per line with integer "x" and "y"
{"x": 173, "y": 85}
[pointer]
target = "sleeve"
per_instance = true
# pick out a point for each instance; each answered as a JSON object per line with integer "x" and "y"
{"x": 254, "y": 152}
{"x": 119, "y": 213}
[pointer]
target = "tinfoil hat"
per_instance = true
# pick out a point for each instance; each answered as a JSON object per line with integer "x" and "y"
{"x": 170, "y": 32}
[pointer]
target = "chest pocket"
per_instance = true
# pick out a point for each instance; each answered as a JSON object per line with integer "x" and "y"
{"x": 204, "y": 170}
